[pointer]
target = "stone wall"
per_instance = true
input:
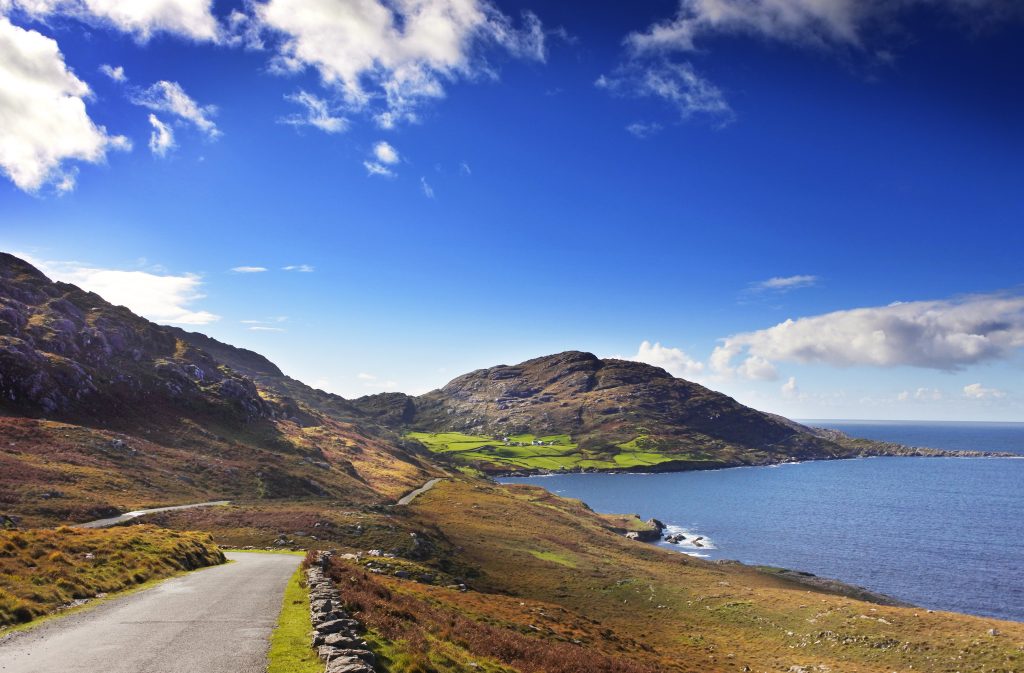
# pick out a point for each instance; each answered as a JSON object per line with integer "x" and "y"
{"x": 336, "y": 636}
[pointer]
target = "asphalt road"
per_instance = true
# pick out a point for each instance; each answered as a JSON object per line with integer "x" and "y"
{"x": 128, "y": 516}
{"x": 407, "y": 499}
{"x": 215, "y": 620}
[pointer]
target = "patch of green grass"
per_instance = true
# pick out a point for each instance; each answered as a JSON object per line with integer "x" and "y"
{"x": 554, "y": 453}
{"x": 554, "y": 557}
{"x": 290, "y": 650}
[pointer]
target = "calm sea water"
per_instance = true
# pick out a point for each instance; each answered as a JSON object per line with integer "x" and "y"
{"x": 942, "y": 533}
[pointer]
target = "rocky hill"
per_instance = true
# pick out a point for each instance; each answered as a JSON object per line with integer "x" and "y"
{"x": 102, "y": 409}
{"x": 607, "y": 408}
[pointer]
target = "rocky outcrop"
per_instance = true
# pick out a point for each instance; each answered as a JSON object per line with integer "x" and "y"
{"x": 336, "y": 636}
{"x": 68, "y": 354}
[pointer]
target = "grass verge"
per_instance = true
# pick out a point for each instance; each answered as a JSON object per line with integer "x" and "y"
{"x": 44, "y": 570}
{"x": 290, "y": 650}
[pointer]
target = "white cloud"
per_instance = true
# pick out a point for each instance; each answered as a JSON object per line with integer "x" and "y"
{"x": 789, "y": 389}
{"x": 265, "y": 328}
{"x": 465, "y": 169}
{"x": 249, "y": 269}
{"x": 42, "y": 108}
{"x": 643, "y": 130}
{"x": 678, "y": 84}
{"x": 170, "y": 97}
{"x": 385, "y": 153}
{"x": 976, "y": 391}
{"x": 318, "y": 114}
{"x": 945, "y": 335}
{"x": 756, "y": 368}
{"x": 428, "y": 191}
{"x": 363, "y": 376}
{"x": 393, "y": 55}
{"x": 163, "y": 298}
{"x": 300, "y": 268}
{"x": 141, "y": 18}
{"x": 374, "y": 168}
{"x": 114, "y": 73}
{"x": 816, "y": 23}
{"x": 161, "y": 139}
{"x": 673, "y": 360}
{"x": 784, "y": 283}
{"x": 921, "y": 395}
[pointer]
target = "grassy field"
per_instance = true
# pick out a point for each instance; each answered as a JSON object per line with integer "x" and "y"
{"x": 556, "y": 452}
{"x": 43, "y": 570}
{"x": 289, "y": 644}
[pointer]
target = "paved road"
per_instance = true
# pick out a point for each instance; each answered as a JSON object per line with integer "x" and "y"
{"x": 406, "y": 499}
{"x": 216, "y": 620}
{"x": 128, "y": 516}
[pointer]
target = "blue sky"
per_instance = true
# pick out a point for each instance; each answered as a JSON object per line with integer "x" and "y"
{"x": 457, "y": 184}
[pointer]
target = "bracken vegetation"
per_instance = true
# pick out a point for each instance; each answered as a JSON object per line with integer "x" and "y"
{"x": 43, "y": 570}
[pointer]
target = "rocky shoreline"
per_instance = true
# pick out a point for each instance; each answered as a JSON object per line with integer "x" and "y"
{"x": 898, "y": 451}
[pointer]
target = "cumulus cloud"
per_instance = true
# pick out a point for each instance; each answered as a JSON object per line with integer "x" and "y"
{"x": 789, "y": 389}
{"x": 44, "y": 120}
{"x": 114, "y": 73}
{"x": 163, "y": 298}
{"x": 945, "y": 335}
{"x": 161, "y": 138}
{"x": 677, "y": 84}
{"x": 249, "y": 269}
{"x": 391, "y": 56}
{"x": 385, "y": 153}
{"x": 976, "y": 391}
{"x": 673, "y": 360}
{"x": 171, "y": 98}
{"x": 317, "y": 113}
{"x": 784, "y": 283}
{"x": 140, "y": 18}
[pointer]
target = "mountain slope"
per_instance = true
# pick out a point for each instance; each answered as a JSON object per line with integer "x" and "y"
{"x": 105, "y": 410}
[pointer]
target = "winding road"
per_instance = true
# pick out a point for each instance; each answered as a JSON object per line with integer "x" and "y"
{"x": 408, "y": 498}
{"x": 128, "y": 516}
{"x": 215, "y": 620}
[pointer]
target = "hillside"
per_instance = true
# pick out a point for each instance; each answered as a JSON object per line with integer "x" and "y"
{"x": 103, "y": 410}
{"x": 575, "y": 411}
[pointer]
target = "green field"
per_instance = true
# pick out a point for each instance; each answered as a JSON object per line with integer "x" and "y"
{"x": 558, "y": 452}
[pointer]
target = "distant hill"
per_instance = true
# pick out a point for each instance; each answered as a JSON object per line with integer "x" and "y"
{"x": 574, "y": 410}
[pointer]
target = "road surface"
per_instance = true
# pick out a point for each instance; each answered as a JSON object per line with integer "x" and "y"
{"x": 215, "y": 620}
{"x": 405, "y": 500}
{"x": 128, "y": 516}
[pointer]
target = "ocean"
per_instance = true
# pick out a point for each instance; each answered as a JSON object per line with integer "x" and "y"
{"x": 940, "y": 533}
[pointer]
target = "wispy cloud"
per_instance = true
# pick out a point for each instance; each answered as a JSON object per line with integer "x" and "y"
{"x": 428, "y": 191}
{"x": 643, "y": 130}
{"x": 317, "y": 113}
{"x": 677, "y": 84}
{"x": 249, "y": 269}
{"x": 170, "y": 97}
{"x": 784, "y": 283}
{"x": 161, "y": 139}
{"x": 115, "y": 73}
{"x": 299, "y": 268}
{"x": 265, "y": 328}
{"x": 161, "y": 297}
